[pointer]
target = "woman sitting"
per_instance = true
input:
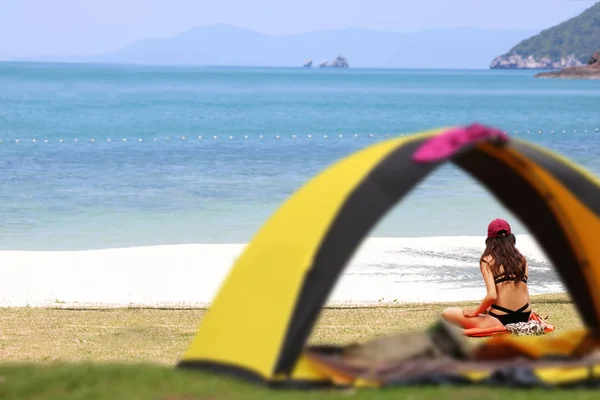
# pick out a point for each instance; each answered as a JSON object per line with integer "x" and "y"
{"x": 504, "y": 271}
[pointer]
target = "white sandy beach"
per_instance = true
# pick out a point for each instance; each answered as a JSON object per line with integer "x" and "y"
{"x": 383, "y": 270}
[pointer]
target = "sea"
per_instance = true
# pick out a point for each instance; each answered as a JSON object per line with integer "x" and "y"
{"x": 105, "y": 167}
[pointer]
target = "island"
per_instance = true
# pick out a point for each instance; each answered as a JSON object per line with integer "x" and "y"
{"x": 568, "y": 44}
{"x": 589, "y": 71}
{"x": 339, "y": 62}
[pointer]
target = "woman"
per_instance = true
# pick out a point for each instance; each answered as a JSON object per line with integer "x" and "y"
{"x": 505, "y": 272}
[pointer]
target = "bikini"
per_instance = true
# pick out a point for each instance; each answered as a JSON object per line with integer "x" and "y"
{"x": 511, "y": 316}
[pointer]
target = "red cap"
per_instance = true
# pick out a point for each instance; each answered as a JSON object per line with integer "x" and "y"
{"x": 497, "y": 227}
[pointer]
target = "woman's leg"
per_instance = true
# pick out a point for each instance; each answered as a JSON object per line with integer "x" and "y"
{"x": 455, "y": 316}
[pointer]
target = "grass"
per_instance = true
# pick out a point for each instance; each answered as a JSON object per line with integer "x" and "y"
{"x": 129, "y": 353}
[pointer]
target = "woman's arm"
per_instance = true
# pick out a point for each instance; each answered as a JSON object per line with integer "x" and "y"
{"x": 527, "y": 276}
{"x": 491, "y": 293}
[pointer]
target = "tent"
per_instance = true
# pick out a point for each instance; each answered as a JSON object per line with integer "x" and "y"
{"x": 258, "y": 324}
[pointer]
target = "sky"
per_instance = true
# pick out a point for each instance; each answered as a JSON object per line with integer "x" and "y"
{"x": 82, "y": 27}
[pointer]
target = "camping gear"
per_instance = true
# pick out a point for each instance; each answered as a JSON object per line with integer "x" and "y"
{"x": 439, "y": 341}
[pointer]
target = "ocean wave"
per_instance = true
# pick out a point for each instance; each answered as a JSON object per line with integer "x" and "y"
{"x": 426, "y": 269}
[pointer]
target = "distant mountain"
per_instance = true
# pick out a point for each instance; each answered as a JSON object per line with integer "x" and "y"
{"x": 570, "y": 43}
{"x": 232, "y": 46}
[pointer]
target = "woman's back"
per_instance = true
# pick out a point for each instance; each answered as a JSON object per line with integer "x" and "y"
{"x": 511, "y": 294}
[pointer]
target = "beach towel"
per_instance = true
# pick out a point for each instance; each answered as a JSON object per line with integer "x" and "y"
{"x": 535, "y": 326}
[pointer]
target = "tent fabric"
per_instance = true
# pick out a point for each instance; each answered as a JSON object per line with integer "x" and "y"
{"x": 517, "y": 372}
{"x": 541, "y": 361}
{"x": 258, "y": 323}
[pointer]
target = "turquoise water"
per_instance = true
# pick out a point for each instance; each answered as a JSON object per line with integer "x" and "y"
{"x": 156, "y": 182}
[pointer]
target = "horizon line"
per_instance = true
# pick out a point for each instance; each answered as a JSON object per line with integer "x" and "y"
{"x": 300, "y": 67}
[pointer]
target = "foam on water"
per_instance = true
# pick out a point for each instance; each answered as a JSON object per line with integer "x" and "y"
{"x": 432, "y": 269}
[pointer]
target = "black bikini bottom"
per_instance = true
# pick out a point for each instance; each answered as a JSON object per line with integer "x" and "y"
{"x": 511, "y": 317}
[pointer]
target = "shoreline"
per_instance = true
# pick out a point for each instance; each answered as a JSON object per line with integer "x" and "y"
{"x": 331, "y": 305}
{"x": 382, "y": 271}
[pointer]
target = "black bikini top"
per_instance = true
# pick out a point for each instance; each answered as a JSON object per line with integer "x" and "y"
{"x": 505, "y": 278}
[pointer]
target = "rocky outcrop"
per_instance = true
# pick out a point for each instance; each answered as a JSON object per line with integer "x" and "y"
{"x": 339, "y": 62}
{"x": 589, "y": 71}
{"x": 516, "y": 61}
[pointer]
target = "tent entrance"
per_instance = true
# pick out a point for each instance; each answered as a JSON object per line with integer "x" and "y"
{"x": 261, "y": 318}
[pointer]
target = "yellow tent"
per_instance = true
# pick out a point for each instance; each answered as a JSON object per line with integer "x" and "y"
{"x": 259, "y": 322}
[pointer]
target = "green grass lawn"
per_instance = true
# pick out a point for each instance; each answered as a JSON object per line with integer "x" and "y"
{"x": 130, "y": 353}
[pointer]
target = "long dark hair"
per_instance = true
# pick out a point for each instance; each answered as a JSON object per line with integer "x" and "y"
{"x": 505, "y": 254}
